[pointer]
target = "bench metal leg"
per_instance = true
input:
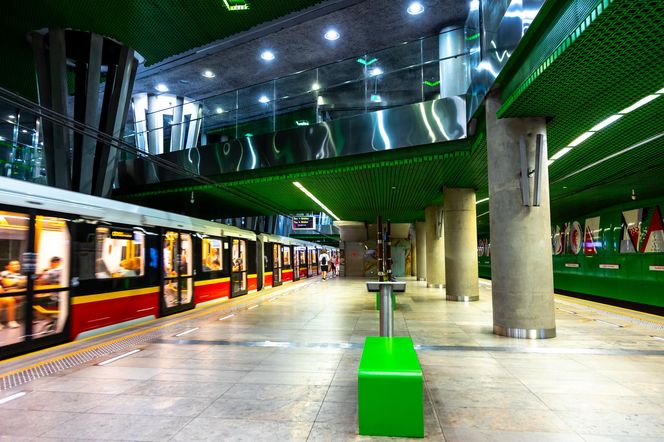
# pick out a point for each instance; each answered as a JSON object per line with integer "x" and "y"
{"x": 386, "y": 312}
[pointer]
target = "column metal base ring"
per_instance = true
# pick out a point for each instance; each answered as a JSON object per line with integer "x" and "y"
{"x": 435, "y": 286}
{"x": 462, "y": 298}
{"x": 524, "y": 333}
{"x": 421, "y": 279}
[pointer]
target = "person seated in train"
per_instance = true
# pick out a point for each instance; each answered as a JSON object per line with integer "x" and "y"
{"x": 212, "y": 257}
{"x": 11, "y": 278}
{"x": 9, "y": 305}
{"x": 216, "y": 265}
{"x": 52, "y": 275}
{"x": 130, "y": 267}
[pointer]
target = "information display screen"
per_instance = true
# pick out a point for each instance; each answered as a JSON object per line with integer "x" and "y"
{"x": 304, "y": 222}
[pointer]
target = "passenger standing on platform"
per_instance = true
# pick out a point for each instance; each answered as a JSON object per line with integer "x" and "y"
{"x": 324, "y": 260}
{"x": 336, "y": 264}
{"x": 11, "y": 280}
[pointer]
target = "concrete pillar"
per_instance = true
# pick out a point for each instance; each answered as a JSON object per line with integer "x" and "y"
{"x": 413, "y": 258}
{"x": 521, "y": 264}
{"x": 461, "y": 278}
{"x": 433, "y": 218}
{"x": 421, "y": 245}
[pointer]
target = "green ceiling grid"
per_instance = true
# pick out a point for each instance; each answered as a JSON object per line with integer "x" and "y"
{"x": 156, "y": 29}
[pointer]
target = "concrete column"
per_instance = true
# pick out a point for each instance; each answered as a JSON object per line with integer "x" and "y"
{"x": 461, "y": 276}
{"x": 521, "y": 264}
{"x": 433, "y": 218}
{"x": 413, "y": 258}
{"x": 421, "y": 245}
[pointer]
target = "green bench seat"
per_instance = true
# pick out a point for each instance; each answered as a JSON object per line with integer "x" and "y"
{"x": 389, "y": 388}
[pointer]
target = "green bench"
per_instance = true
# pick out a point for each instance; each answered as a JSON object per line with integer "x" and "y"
{"x": 389, "y": 388}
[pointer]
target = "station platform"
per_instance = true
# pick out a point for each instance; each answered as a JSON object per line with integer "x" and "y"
{"x": 282, "y": 365}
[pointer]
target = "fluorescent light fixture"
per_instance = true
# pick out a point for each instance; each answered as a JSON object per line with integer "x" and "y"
{"x": 187, "y": 332}
{"x": 2, "y": 138}
{"x": 226, "y": 317}
{"x": 482, "y": 200}
{"x": 12, "y": 397}
{"x": 236, "y": 5}
{"x": 119, "y": 357}
{"x": 550, "y": 162}
{"x": 376, "y": 98}
{"x": 219, "y": 110}
{"x": 320, "y": 100}
{"x": 606, "y": 122}
{"x": 208, "y": 74}
{"x": 267, "y": 55}
{"x": 24, "y": 131}
{"x": 375, "y": 72}
{"x": 584, "y": 136}
{"x": 302, "y": 122}
{"x": 661, "y": 91}
{"x": 332, "y": 35}
{"x": 263, "y": 99}
{"x": 474, "y": 5}
{"x": 315, "y": 86}
{"x": 11, "y": 117}
{"x": 561, "y": 153}
{"x": 642, "y": 102}
{"x": 415, "y": 8}
{"x": 316, "y": 200}
{"x": 161, "y": 87}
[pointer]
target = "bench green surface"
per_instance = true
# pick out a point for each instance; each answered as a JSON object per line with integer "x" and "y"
{"x": 390, "y": 388}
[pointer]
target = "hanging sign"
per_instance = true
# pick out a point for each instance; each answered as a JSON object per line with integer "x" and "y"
{"x": 304, "y": 222}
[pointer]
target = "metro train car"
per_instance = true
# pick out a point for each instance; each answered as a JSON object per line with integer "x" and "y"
{"x": 73, "y": 265}
{"x": 614, "y": 256}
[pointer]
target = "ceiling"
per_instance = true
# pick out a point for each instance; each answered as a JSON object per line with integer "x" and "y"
{"x": 610, "y": 64}
{"x": 179, "y": 40}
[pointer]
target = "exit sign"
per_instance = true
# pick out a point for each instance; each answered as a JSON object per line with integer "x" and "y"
{"x": 304, "y": 222}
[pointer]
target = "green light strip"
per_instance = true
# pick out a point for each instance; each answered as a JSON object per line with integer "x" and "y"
{"x": 432, "y": 83}
{"x": 473, "y": 37}
{"x": 365, "y": 62}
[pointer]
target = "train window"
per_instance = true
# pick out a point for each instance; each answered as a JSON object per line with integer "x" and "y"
{"x": 186, "y": 263}
{"x": 287, "y": 260}
{"x": 52, "y": 248}
{"x": 212, "y": 254}
{"x": 120, "y": 253}
{"x": 276, "y": 250}
{"x": 14, "y": 230}
{"x": 239, "y": 255}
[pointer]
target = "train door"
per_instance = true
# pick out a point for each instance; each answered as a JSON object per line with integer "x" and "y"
{"x": 238, "y": 267}
{"x": 288, "y": 274}
{"x": 296, "y": 263}
{"x": 277, "y": 264}
{"x": 34, "y": 282}
{"x": 177, "y": 287}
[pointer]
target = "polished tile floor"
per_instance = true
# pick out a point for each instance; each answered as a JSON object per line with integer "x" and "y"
{"x": 287, "y": 370}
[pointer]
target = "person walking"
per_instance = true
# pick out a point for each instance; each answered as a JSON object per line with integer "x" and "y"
{"x": 324, "y": 260}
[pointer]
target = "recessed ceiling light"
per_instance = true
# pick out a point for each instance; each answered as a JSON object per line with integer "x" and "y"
{"x": 267, "y": 55}
{"x": 332, "y": 35}
{"x": 375, "y": 98}
{"x": 208, "y": 74}
{"x": 161, "y": 87}
{"x": 263, "y": 99}
{"x": 24, "y": 131}
{"x": 11, "y": 117}
{"x": 219, "y": 110}
{"x": 415, "y": 8}
{"x": 315, "y": 86}
{"x": 375, "y": 72}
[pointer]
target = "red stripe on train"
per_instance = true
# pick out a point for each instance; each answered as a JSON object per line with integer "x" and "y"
{"x": 209, "y": 292}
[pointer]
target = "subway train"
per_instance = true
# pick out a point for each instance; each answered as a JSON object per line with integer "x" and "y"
{"x": 73, "y": 265}
{"x": 614, "y": 256}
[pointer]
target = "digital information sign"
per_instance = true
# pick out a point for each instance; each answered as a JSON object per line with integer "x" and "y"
{"x": 304, "y": 222}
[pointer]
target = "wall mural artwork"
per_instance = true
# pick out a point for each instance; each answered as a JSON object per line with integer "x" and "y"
{"x": 483, "y": 247}
{"x": 558, "y": 240}
{"x": 575, "y": 238}
{"x": 591, "y": 240}
{"x": 653, "y": 235}
{"x": 631, "y": 230}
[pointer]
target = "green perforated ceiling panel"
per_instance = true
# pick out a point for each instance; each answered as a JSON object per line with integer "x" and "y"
{"x": 156, "y": 29}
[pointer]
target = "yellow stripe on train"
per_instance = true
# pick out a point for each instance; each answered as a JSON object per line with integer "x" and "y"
{"x": 211, "y": 281}
{"x": 113, "y": 295}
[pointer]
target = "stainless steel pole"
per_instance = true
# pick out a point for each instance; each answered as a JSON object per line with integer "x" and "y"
{"x": 386, "y": 311}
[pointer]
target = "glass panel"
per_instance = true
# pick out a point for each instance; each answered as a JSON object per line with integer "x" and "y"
{"x": 276, "y": 249}
{"x": 171, "y": 292}
{"x": 120, "y": 253}
{"x": 211, "y": 254}
{"x": 12, "y": 317}
{"x": 50, "y": 311}
{"x": 186, "y": 263}
{"x": 170, "y": 254}
{"x": 52, "y": 248}
{"x": 287, "y": 260}
{"x": 187, "y": 291}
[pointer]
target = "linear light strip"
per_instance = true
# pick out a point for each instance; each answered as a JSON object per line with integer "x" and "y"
{"x": 12, "y": 397}
{"x": 482, "y": 200}
{"x": 187, "y": 332}
{"x": 129, "y": 353}
{"x": 606, "y": 122}
{"x": 316, "y": 200}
